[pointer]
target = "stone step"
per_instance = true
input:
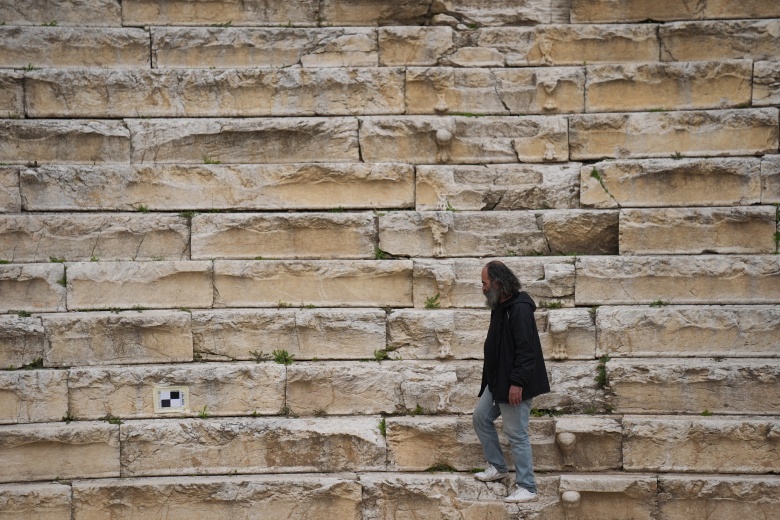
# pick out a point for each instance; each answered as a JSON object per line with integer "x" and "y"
{"x": 21, "y": 340}
{"x": 94, "y": 13}
{"x": 770, "y": 174}
{"x": 622, "y": 11}
{"x": 11, "y": 94}
{"x": 35, "y": 502}
{"x": 10, "y": 198}
{"x": 32, "y": 287}
{"x": 720, "y": 40}
{"x": 766, "y": 87}
{"x": 33, "y": 396}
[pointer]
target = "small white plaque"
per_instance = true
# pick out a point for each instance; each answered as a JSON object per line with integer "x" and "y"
{"x": 169, "y": 399}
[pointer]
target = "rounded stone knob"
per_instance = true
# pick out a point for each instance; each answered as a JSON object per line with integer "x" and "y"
{"x": 566, "y": 441}
{"x": 570, "y": 499}
{"x": 443, "y": 137}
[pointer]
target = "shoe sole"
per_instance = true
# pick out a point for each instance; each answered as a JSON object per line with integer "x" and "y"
{"x": 534, "y": 499}
{"x": 493, "y": 479}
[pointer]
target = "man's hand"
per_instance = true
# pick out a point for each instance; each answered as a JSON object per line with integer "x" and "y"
{"x": 515, "y": 395}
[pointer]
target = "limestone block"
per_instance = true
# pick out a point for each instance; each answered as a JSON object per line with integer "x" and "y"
{"x": 10, "y": 198}
{"x": 413, "y": 46}
{"x": 692, "y": 331}
{"x": 611, "y": 497}
{"x": 219, "y": 389}
{"x": 192, "y": 446}
{"x": 506, "y": 12}
{"x": 678, "y": 86}
{"x": 283, "y": 235}
{"x": 589, "y": 443}
{"x": 304, "y": 497}
{"x": 244, "y": 48}
{"x": 63, "y": 141}
{"x": 622, "y": 11}
{"x": 68, "y": 47}
{"x": 104, "y": 285}
{"x": 21, "y": 341}
{"x": 100, "y": 13}
{"x": 244, "y": 140}
{"x": 741, "y": 230}
{"x": 766, "y": 83}
{"x": 41, "y": 501}
{"x": 721, "y": 40}
{"x": 458, "y": 282}
{"x": 437, "y": 334}
{"x": 700, "y": 444}
{"x": 664, "y": 134}
{"x": 718, "y": 497}
{"x": 374, "y": 12}
{"x": 770, "y": 180}
{"x": 264, "y": 283}
{"x": 196, "y": 93}
{"x": 426, "y": 140}
{"x": 568, "y": 334}
{"x": 671, "y": 182}
{"x": 475, "y": 57}
{"x": 206, "y": 187}
{"x": 81, "y": 237}
{"x": 11, "y": 92}
{"x": 678, "y": 280}
{"x": 35, "y": 287}
{"x": 581, "y": 232}
{"x": 108, "y": 338}
{"x": 59, "y": 451}
{"x": 498, "y": 187}
{"x": 234, "y": 12}
{"x": 33, "y": 396}
{"x": 573, "y": 389}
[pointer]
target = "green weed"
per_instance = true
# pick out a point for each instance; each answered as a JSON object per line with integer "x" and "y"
{"x": 433, "y": 302}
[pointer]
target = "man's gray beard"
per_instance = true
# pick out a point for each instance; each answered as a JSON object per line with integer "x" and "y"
{"x": 493, "y": 298}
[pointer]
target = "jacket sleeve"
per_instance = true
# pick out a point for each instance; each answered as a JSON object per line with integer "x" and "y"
{"x": 521, "y": 326}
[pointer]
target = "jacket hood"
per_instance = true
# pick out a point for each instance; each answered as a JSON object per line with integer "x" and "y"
{"x": 521, "y": 297}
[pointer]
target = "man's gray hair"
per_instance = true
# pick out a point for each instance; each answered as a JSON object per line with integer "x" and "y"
{"x": 506, "y": 280}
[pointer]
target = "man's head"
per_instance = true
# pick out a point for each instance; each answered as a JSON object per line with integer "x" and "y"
{"x": 498, "y": 283}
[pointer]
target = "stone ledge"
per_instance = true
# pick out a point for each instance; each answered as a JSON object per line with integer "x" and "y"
{"x": 32, "y": 287}
{"x": 93, "y": 13}
{"x": 21, "y": 341}
{"x": 623, "y": 11}
{"x": 10, "y": 197}
{"x": 720, "y": 40}
{"x": 35, "y": 502}
{"x": 33, "y": 396}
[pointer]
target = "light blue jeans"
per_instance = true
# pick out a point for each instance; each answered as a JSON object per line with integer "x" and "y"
{"x": 516, "y": 430}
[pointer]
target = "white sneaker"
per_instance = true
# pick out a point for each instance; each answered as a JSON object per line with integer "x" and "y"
{"x": 490, "y": 474}
{"x": 521, "y": 495}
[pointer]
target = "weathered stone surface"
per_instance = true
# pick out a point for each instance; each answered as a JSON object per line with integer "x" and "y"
{"x": 100, "y": 13}
{"x": 126, "y": 338}
{"x": 573, "y": 389}
{"x": 35, "y": 502}
{"x": 374, "y": 12}
{"x": 234, "y": 12}
{"x": 498, "y": 187}
{"x": 700, "y": 444}
{"x": 714, "y": 133}
{"x": 227, "y": 48}
{"x": 244, "y": 140}
{"x": 33, "y": 396}
{"x": 678, "y": 86}
{"x": 59, "y": 451}
{"x": 622, "y": 11}
{"x": 364, "y": 283}
{"x": 421, "y": 139}
{"x": 670, "y": 231}
{"x": 699, "y": 497}
{"x": 766, "y": 83}
{"x": 304, "y": 497}
{"x": 567, "y": 334}
{"x": 11, "y": 92}
{"x": 196, "y": 93}
{"x": 609, "y": 496}
{"x": 413, "y": 46}
{"x": 104, "y": 285}
{"x": 71, "y": 141}
{"x": 506, "y": 12}
{"x": 37, "y": 287}
{"x": 21, "y": 341}
{"x": 495, "y": 91}
{"x": 475, "y": 57}
{"x": 80, "y": 237}
{"x": 770, "y": 180}
{"x": 679, "y": 280}
{"x": 184, "y": 447}
{"x": 580, "y": 231}
{"x": 283, "y": 235}
{"x": 206, "y": 187}
{"x": 10, "y": 198}
{"x": 670, "y": 182}
{"x": 733, "y": 39}
{"x": 67, "y": 47}
{"x": 692, "y": 331}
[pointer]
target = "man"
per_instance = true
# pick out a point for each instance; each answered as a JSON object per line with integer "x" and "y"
{"x": 512, "y": 375}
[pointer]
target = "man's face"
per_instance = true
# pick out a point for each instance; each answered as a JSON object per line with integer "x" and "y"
{"x": 486, "y": 284}
{"x": 490, "y": 290}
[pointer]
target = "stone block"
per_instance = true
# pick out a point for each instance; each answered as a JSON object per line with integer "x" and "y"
{"x": 427, "y": 139}
{"x": 568, "y": 334}
{"x": 507, "y": 12}
{"x": 10, "y": 198}
{"x": 233, "y": 12}
{"x": 81, "y": 237}
{"x": 283, "y": 235}
{"x": 265, "y": 283}
{"x": 498, "y": 187}
{"x": 664, "y": 134}
{"x": 33, "y": 396}
{"x": 679, "y": 444}
{"x": 206, "y": 187}
{"x": 670, "y": 231}
{"x": 766, "y": 83}
{"x": 573, "y": 389}
{"x": 580, "y": 232}
{"x": 622, "y": 11}
{"x": 32, "y": 287}
{"x": 770, "y": 179}
{"x": 59, "y": 451}
{"x": 121, "y": 338}
{"x": 11, "y": 92}
{"x": 21, "y": 341}
{"x": 104, "y": 285}
{"x": 718, "y": 497}
{"x": 609, "y": 497}
{"x": 193, "y": 446}
{"x": 42, "y": 501}
{"x": 679, "y": 280}
{"x": 720, "y": 40}
{"x": 670, "y": 182}
{"x": 670, "y": 86}
{"x": 374, "y": 12}
{"x": 413, "y": 46}
{"x": 288, "y": 140}
{"x": 99, "y": 13}
{"x": 63, "y": 141}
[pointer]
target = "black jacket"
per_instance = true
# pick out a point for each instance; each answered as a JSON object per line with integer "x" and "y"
{"x": 513, "y": 352}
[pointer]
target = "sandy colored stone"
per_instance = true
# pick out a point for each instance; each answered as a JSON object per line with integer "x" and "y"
{"x": 431, "y": 140}
{"x": 475, "y": 57}
{"x": 374, "y": 12}
{"x": 718, "y": 497}
{"x": 10, "y": 198}
{"x": 610, "y": 497}
{"x": 283, "y": 235}
{"x": 766, "y": 83}
{"x": 672, "y": 182}
{"x": 59, "y": 451}
{"x": 567, "y": 334}
{"x": 221, "y": 446}
{"x": 11, "y": 92}
{"x": 622, "y": 11}
{"x": 689, "y": 331}
{"x": 36, "y": 287}
{"x": 21, "y": 340}
{"x": 678, "y": 280}
{"x": 573, "y": 389}
{"x": 81, "y": 237}
{"x": 741, "y": 230}
{"x": 108, "y": 338}
{"x": 670, "y": 86}
{"x": 413, "y": 46}
{"x": 498, "y": 187}
{"x": 244, "y": 140}
{"x": 359, "y": 283}
{"x": 700, "y": 444}
{"x": 506, "y": 12}
{"x": 100, "y": 13}
{"x": 206, "y": 187}
{"x": 581, "y": 232}
{"x": 63, "y": 141}
{"x": 105, "y": 285}
{"x": 69, "y": 47}
{"x": 770, "y": 179}
{"x": 721, "y": 40}
{"x": 664, "y": 134}
{"x": 33, "y": 396}
{"x": 196, "y": 93}
{"x": 235, "y": 12}
{"x": 42, "y": 501}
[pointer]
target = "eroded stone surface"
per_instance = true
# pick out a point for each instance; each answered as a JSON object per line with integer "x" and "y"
{"x": 35, "y": 502}
{"x": 580, "y": 232}
{"x": 235, "y": 12}
{"x": 413, "y": 46}
{"x": 573, "y": 389}
{"x": 766, "y": 83}
{"x": 21, "y": 340}
{"x": 770, "y": 179}
{"x": 506, "y": 12}
{"x": 32, "y": 287}
{"x": 100, "y": 13}
{"x": 721, "y": 40}
{"x": 599, "y": 11}
{"x": 10, "y": 198}
{"x": 11, "y": 92}
{"x": 33, "y": 396}
{"x": 609, "y": 496}
{"x": 718, "y": 497}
